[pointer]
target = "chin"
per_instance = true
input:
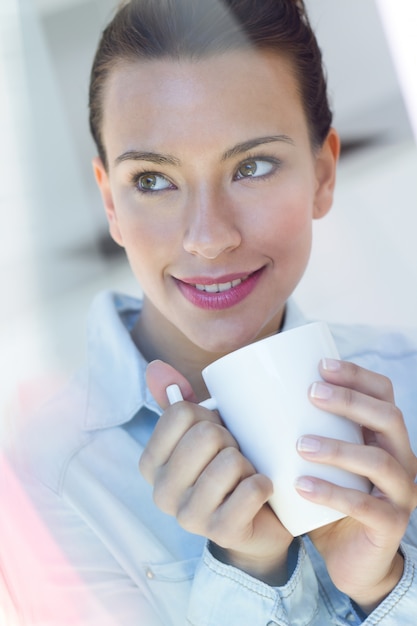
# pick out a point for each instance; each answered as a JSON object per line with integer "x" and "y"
{"x": 220, "y": 346}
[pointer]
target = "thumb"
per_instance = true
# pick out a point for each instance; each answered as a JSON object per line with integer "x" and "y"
{"x": 160, "y": 375}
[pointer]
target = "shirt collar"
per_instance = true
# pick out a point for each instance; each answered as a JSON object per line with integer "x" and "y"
{"x": 116, "y": 369}
{"x": 293, "y": 316}
{"x": 116, "y": 387}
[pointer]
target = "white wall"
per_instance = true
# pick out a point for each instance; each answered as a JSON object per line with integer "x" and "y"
{"x": 364, "y": 262}
{"x": 362, "y": 78}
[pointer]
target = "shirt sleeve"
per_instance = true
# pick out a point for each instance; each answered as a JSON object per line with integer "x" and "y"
{"x": 400, "y": 606}
{"x": 225, "y": 596}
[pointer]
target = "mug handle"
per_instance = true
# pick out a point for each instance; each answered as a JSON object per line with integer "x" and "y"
{"x": 174, "y": 395}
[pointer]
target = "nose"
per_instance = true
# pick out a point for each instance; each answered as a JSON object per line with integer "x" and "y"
{"x": 212, "y": 227}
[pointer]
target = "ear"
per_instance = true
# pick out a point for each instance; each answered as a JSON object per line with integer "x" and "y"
{"x": 325, "y": 167}
{"x": 102, "y": 180}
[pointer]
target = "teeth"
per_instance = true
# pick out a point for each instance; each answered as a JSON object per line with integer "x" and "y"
{"x": 218, "y": 287}
{"x": 211, "y": 288}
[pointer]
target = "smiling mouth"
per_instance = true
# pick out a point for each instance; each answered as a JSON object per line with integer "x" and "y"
{"x": 220, "y": 287}
{"x": 217, "y": 296}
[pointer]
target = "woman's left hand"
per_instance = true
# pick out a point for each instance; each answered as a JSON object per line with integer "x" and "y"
{"x": 361, "y": 551}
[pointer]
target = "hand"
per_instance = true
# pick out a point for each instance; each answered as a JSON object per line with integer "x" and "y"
{"x": 361, "y": 550}
{"x": 200, "y": 476}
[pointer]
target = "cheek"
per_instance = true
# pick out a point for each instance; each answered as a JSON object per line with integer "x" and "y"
{"x": 150, "y": 245}
{"x": 286, "y": 225}
{"x": 144, "y": 227}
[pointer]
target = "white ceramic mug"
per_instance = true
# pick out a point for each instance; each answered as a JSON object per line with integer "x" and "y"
{"x": 261, "y": 393}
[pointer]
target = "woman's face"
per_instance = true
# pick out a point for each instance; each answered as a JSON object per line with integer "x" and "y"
{"x": 211, "y": 188}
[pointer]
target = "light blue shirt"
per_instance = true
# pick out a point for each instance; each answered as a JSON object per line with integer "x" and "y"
{"x": 82, "y": 543}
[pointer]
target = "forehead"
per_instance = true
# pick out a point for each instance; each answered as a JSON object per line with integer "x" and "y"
{"x": 215, "y": 96}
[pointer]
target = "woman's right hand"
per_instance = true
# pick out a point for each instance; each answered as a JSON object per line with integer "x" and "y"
{"x": 200, "y": 476}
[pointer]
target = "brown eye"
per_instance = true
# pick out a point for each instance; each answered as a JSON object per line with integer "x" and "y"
{"x": 148, "y": 181}
{"x": 256, "y": 168}
{"x": 249, "y": 168}
{"x": 152, "y": 182}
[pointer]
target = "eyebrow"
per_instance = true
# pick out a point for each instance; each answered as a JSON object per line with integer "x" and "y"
{"x": 153, "y": 157}
{"x": 168, "y": 159}
{"x": 245, "y": 146}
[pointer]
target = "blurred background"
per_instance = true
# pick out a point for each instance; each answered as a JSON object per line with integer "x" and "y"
{"x": 55, "y": 252}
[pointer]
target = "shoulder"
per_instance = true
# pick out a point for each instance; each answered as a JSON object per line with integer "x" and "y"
{"x": 106, "y": 392}
{"x": 384, "y": 348}
{"x": 40, "y": 445}
{"x": 387, "y": 351}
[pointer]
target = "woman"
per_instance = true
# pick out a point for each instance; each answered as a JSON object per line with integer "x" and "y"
{"x": 216, "y": 152}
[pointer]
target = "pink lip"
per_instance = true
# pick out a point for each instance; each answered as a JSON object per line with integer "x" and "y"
{"x": 222, "y": 299}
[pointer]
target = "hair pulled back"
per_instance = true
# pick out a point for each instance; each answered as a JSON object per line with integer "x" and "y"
{"x": 154, "y": 29}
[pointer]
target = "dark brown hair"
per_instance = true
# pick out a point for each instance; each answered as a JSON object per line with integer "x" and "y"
{"x": 151, "y": 29}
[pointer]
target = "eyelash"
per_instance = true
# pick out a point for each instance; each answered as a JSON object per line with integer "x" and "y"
{"x": 136, "y": 176}
{"x": 277, "y": 163}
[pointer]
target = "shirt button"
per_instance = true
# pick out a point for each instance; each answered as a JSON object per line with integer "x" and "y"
{"x": 350, "y": 617}
{"x": 149, "y": 574}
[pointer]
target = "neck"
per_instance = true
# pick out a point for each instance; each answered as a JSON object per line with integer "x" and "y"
{"x": 157, "y": 338}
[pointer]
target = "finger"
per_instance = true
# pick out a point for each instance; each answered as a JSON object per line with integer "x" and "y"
{"x": 200, "y": 445}
{"x": 387, "y": 521}
{"x": 169, "y": 430}
{"x": 352, "y": 376}
{"x": 242, "y": 506}
{"x": 160, "y": 375}
{"x": 382, "y": 469}
{"x": 198, "y": 509}
{"x": 383, "y": 421}
{"x": 197, "y": 449}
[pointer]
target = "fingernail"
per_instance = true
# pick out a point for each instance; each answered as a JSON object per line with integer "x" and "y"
{"x": 308, "y": 444}
{"x": 331, "y": 365}
{"x": 305, "y": 484}
{"x": 320, "y": 391}
{"x": 174, "y": 394}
